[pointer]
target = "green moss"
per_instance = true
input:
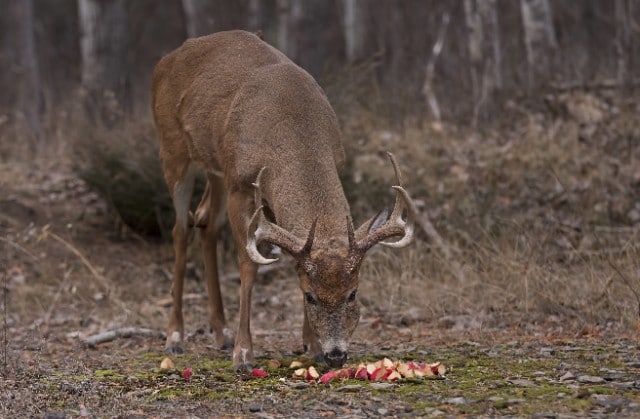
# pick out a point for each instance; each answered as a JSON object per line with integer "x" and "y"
{"x": 110, "y": 375}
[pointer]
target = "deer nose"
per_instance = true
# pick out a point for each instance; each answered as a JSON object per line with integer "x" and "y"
{"x": 336, "y": 358}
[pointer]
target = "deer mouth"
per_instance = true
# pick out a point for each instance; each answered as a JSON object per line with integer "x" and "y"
{"x": 336, "y": 358}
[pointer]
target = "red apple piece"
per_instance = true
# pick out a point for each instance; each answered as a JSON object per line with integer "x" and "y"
{"x": 257, "y": 372}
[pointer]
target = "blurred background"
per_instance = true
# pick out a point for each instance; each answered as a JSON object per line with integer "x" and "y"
{"x": 515, "y": 123}
{"x": 457, "y": 60}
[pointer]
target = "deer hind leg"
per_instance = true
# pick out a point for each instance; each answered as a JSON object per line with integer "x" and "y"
{"x": 207, "y": 217}
{"x": 239, "y": 208}
{"x": 180, "y": 178}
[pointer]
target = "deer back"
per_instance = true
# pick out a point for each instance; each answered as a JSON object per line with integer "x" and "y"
{"x": 244, "y": 105}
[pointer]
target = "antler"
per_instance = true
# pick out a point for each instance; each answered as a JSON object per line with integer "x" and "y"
{"x": 260, "y": 229}
{"x": 369, "y": 235}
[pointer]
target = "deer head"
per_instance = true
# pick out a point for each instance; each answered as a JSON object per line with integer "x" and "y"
{"x": 329, "y": 271}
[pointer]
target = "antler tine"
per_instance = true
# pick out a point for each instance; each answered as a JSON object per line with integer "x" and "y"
{"x": 260, "y": 229}
{"x": 394, "y": 225}
{"x": 395, "y": 167}
{"x": 253, "y": 239}
{"x": 396, "y": 218}
{"x": 257, "y": 185}
{"x": 306, "y": 249}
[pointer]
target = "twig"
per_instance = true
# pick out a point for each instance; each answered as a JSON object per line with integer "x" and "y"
{"x": 626, "y": 282}
{"x": 601, "y": 84}
{"x": 101, "y": 278}
{"x": 47, "y": 233}
{"x": 123, "y": 332}
{"x": 18, "y": 247}
{"x": 5, "y": 341}
{"x": 621, "y": 275}
{"x": 437, "y": 240}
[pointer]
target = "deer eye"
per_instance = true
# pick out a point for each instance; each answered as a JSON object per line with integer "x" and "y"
{"x": 352, "y": 296}
{"x": 310, "y": 299}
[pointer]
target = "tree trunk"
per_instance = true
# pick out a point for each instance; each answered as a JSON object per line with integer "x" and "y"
{"x": 354, "y": 29}
{"x": 197, "y": 20}
{"x": 484, "y": 49}
{"x": 623, "y": 41}
{"x": 253, "y": 17}
{"x": 23, "y": 75}
{"x": 540, "y": 39}
{"x": 289, "y": 21}
{"x": 104, "y": 40}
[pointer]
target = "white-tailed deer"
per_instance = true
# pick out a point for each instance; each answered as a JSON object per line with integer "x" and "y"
{"x": 264, "y": 133}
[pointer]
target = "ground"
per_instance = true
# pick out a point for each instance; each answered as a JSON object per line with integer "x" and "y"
{"x": 69, "y": 272}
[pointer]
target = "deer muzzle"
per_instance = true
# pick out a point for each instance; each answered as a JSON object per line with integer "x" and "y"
{"x": 336, "y": 358}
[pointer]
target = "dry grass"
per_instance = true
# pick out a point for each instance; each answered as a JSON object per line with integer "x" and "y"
{"x": 539, "y": 217}
{"x": 542, "y": 216}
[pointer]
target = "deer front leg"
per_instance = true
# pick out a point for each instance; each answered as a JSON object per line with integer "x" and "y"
{"x": 175, "y": 331}
{"x": 310, "y": 341}
{"x": 181, "y": 190}
{"x": 240, "y": 207}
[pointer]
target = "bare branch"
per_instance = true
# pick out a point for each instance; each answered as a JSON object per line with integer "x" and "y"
{"x": 124, "y": 332}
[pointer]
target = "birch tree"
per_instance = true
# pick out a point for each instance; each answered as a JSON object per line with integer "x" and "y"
{"x": 483, "y": 44}
{"x": 540, "y": 39}
{"x": 354, "y": 29}
{"x": 23, "y": 77}
{"x": 197, "y": 20}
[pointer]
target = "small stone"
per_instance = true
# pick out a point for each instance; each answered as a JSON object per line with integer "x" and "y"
{"x": 350, "y": 388}
{"x": 382, "y": 386}
{"x": 382, "y": 411}
{"x": 590, "y": 379}
{"x": 567, "y": 376}
{"x": 456, "y": 400}
{"x": 254, "y": 407}
{"x": 521, "y": 382}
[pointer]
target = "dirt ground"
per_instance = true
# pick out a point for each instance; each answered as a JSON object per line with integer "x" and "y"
{"x": 68, "y": 273}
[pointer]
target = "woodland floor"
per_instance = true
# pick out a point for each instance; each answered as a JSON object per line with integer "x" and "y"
{"x": 64, "y": 279}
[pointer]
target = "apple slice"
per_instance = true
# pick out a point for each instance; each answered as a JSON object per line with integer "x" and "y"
{"x": 361, "y": 372}
{"x": 438, "y": 369}
{"x": 404, "y": 370}
{"x": 167, "y": 364}
{"x": 296, "y": 365}
{"x": 393, "y": 376}
{"x": 258, "y": 373}
{"x": 312, "y": 373}
{"x": 328, "y": 376}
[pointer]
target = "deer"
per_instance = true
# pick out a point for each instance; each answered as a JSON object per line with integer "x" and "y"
{"x": 269, "y": 143}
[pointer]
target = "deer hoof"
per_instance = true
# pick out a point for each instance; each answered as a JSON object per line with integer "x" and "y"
{"x": 174, "y": 349}
{"x": 243, "y": 368}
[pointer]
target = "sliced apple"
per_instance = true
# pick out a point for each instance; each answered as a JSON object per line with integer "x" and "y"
{"x": 328, "y": 376}
{"x": 312, "y": 373}
{"x": 259, "y": 373}
{"x": 167, "y": 364}
{"x": 296, "y": 365}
